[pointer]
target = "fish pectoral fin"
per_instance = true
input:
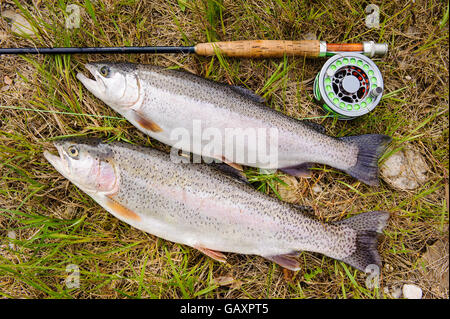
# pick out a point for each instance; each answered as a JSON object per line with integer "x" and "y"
{"x": 301, "y": 170}
{"x": 287, "y": 261}
{"x": 216, "y": 255}
{"x": 145, "y": 122}
{"x": 121, "y": 210}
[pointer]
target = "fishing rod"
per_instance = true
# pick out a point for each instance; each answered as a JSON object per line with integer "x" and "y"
{"x": 241, "y": 49}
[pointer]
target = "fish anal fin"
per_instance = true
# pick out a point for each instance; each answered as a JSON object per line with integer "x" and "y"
{"x": 230, "y": 171}
{"x": 121, "y": 210}
{"x": 146, "y": 123}
{"x": 216, "y": 255}
{"x": 228, "y": 162}
{"x": 235, "y": 166}
{"x": 301, "y": 170}
{"x": 287, "y": 261}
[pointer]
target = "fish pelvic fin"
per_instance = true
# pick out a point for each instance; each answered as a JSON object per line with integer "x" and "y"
{"x": 286, "y": 261}
{"x": 370, "y": 149}
{"x": 368, "y": 227}
{"x": 216, "y": 255}
{"x": 300, "y": 170}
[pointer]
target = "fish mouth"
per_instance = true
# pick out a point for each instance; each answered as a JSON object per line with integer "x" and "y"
{"x": 60, "y": 163}
{"x": 96, "y": 85}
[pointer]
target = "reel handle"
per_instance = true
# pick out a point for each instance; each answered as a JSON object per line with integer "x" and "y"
{"x": 261, "y": 48}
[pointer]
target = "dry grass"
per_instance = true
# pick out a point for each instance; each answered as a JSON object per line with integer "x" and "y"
{"x": 57, "y": 225}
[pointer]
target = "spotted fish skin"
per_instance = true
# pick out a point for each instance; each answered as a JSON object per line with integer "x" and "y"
{"x": 159, "y": 101}
{"x": 199, "y": 206}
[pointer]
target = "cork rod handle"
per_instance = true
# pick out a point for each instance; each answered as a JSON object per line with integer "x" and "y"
{"x": 261, "y": 48}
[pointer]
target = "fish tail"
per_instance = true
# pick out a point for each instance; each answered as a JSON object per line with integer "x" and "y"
{"x": 370, "y": 148}
{"x": 368, "y": 226}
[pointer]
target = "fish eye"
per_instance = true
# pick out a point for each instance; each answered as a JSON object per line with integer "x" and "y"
{"x": 104, "y": 70}
{"x": 73, "y": 151}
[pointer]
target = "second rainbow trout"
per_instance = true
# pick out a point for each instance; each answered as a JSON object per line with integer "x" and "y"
{"x": 202, "y": 207}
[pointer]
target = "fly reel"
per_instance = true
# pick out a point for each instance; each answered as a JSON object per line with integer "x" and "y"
{"x": 349, "y": 85}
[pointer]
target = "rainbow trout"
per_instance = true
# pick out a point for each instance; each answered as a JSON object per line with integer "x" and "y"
{"x": 226, "y": 123}
{"x": 200, "y": 206}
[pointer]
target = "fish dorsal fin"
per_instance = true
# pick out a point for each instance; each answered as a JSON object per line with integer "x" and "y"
{"x": 304, "y": 208}
{"x": 248, "y": 93}
{"x": 315, "y": 126}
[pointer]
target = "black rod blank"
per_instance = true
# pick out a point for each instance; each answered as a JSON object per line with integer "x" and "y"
{"x": 98, "y": 50}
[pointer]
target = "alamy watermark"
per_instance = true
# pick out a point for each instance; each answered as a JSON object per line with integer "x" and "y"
{"x": 73, "y": 278}
{"x": 373, "y": 16}
{"x": 73, "y": 18}
{"x": 373, "y": 276}
{"x": 252, "y": 146}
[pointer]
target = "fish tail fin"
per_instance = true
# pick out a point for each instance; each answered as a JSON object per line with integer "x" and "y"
{"x": 368, "y": 226}
{"x": 370, "y": 149}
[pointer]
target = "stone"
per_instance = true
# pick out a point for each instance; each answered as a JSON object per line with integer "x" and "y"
{"x": 3, "y": 36}
{"x": 19, "y": 24}
{"x": 396, "y": 292}
{"x": 7, "y": 80}
{"x": 388, "y": 268}
{"x": 317, "y": 189}
{"x": 405, "y": 170}
{"x": 411, "y": 291}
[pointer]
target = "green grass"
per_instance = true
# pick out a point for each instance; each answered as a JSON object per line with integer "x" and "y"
{"x": 57, "y": 225}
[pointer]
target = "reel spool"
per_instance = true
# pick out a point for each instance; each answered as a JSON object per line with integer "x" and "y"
{"x": 349, "y": 85}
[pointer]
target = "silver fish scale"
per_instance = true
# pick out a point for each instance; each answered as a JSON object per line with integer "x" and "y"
{"x": 202, "y": 206}
{"x": 298, "y": 142}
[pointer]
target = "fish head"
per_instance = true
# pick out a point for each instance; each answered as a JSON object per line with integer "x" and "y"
{"x": 116, "y": 84}
{"x": 86, "y": 163}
